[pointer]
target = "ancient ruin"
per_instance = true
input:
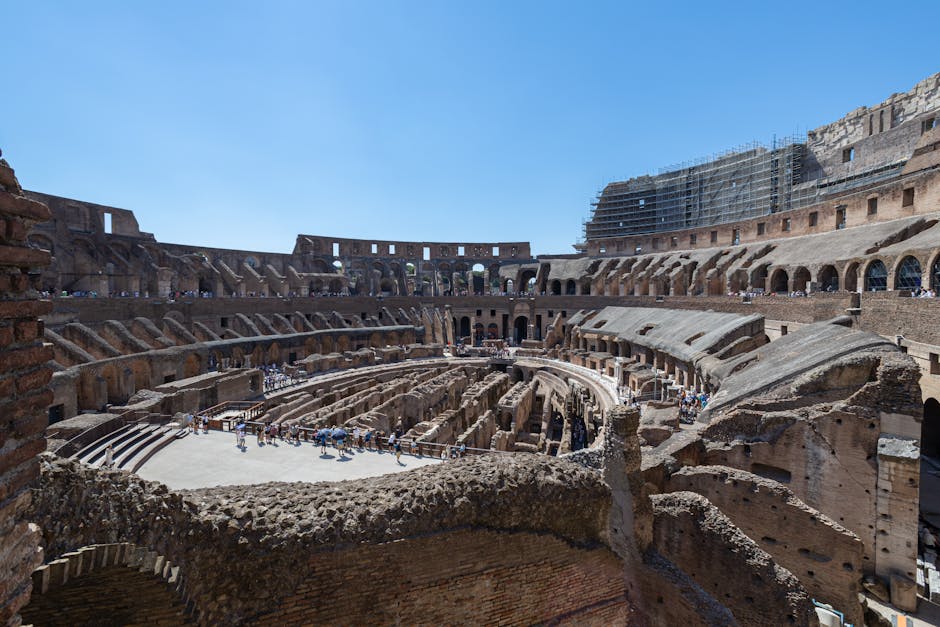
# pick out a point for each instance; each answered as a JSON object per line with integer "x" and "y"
{"x": 722, "y": 411}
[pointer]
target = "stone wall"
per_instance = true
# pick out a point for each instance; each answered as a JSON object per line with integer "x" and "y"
{"x": 244, "y": 552}
{"x": 694, "y": 535}
{"x": 24, "y": 373}
{"x": 825, "y": 556}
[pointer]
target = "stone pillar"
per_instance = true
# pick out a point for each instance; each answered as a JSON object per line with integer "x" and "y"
{"x": 630, "y": 524}
{"x": 898, "y": 505}
{"x": 24, "y": 395}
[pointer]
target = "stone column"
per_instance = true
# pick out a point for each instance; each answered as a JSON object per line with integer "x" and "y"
{"x": 24, "y": 395}
{"x": 898, "y": 504}
{"x": 630, "y": 523}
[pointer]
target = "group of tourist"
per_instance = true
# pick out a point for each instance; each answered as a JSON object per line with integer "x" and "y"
{"x": 689, "y": 404}
{"x": 277, "y": 378}
{"x": 921, "y": 292}
{"x": 337, "y": 437}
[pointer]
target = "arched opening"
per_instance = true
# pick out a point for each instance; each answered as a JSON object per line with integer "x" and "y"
{"x": 586, "y": 287}
{"x": 876, "y": 277}
{"x": 479, "y": 281}
{"x": 492, "y": 331}
{"x": 556, "y": 288}
{"x": 780, "y": 281}
{"x": 510, "y": 286}
{"x": 908, "y": 275}
{"x": 338, "y": 265}
{"x": 930, "y": 429}
{"x": 527, "y": 281}
{"x": 829, "y": 279}
{"x": 737, "y": 282}
{"x": 759, "y": 278}
{"x": 521, "y": 329}
{"x": 801, "y": 279}
{"x": 464, "y": 330}
{"x": 478, "y": 333}
{"x": 571, "y": 288}
{"x": 851, "y": 277}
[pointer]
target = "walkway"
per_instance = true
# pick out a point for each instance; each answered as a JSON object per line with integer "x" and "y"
{"x": 206, "y": 460}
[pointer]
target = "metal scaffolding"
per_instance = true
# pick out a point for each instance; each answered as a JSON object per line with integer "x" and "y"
{"x": 746, "y": 182}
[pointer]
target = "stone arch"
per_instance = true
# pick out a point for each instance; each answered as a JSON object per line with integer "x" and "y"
{"x": 759, "y": 277}
{"x": 571, "y": 287}
{"x": 876, "y": 276}
{"x": 908, "y": 274}
{"x": 463, "y": 330}
{"x": 585, "y": 287}
{"x": 850, "y": 279}
{"x": 801, "y": 279}
{"x": 780, "y": 281}
{"x": 342, "y": 343}
{"x": 556, "y": 288}
{"x": 738, "y": 281}
{"x": 326, "y": 344}
{"x": 274, "y": 354}
{"x": 828, "y": 279}
{"x": 387, "y": 285}
{"x": 320, "y": 266}
{"x": 527, "y": 281}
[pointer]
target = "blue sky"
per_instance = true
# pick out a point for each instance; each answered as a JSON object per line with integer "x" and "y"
{"x": 242, "y": 124}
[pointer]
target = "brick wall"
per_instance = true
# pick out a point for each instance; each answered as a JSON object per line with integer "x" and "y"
{"x": 24, "y": 373}
{"x": 466, "y": 577}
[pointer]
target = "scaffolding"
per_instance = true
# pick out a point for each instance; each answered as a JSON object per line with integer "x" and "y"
{"x": 745, "y": 182}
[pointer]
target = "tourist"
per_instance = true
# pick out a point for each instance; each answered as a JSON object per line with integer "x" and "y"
{"x": 463, "y": 449}
{"x": 414, "y": 446}
{"x": 398, "y": 451}
{"x": 357, "y": 437}
{"x": 368, "y": 439}
{"x": 109, "y": 457}
{"x": 391, "y": 441}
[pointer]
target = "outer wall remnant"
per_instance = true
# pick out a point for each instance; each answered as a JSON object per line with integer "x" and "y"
{"x": 24, "y": 397}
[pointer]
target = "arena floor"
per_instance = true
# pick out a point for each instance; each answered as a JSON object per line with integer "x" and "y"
{"x": 206, "y": 460}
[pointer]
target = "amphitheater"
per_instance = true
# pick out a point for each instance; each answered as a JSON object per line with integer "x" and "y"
{"x": 548, "y": 475}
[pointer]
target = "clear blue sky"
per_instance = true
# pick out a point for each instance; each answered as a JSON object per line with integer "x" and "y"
{"x": 242, "y": 124}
